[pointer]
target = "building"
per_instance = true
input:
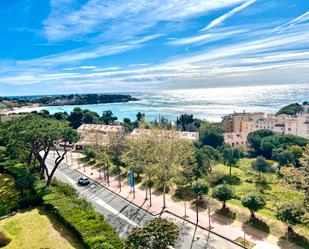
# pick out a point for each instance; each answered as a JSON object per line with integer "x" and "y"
{"x": 96, "y": 134}
{"x": 105, "y": 129}
{"x": 235, "y": 139}
{"x": 191, "y": 136}
{"x": 240, "y": 122}
{"x": 303, "y": 126}
{"x": 284, "y": 124}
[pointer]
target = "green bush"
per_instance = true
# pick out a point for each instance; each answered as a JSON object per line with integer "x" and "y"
{"x": 81, "y": 218}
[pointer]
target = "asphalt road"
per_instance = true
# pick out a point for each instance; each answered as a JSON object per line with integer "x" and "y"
{"x": 123, "y": 215}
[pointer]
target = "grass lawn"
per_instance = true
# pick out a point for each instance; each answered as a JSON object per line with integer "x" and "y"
{"x": 35, "y": 228}
{"x": 270, "y": 186}
{"x": 8, "y": 195}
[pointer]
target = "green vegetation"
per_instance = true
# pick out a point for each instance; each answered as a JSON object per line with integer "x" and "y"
{"x": 80, "y": 217}
{"x": 222, "y": 193}
{"x": 35, "y": 228}
{"x": 292, "y": 109}
{"x": 253, "y": 202}
{"x": 157, "y": 234}
{"x": 8, "y": 195}
{"x": 35, "y": 134}
{"x": 73, "y": 99}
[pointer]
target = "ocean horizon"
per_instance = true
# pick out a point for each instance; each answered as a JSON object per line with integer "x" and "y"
{"x": 207, "y": 103}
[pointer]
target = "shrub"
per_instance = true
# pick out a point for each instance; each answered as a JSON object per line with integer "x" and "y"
{"x": 4, "y": 240}
{"x": 216, "y": 177}
{"x": 81, "y": 218}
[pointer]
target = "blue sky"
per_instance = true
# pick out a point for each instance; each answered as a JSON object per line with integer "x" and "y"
{"x": 68, "y": 46}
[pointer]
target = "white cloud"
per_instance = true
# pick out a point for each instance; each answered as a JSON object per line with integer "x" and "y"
{"x": 121, "y": 18}
{"x": 205, "y": 38}
{"x": 227, "y": 15}
{"x": 302, "y": 18}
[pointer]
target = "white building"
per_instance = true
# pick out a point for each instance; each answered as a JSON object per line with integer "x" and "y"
{"x": 284, "y": 124}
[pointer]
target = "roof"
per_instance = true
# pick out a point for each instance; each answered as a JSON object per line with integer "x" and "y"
{"x": 182, "y": 134}
{"x": 101, "y": 128}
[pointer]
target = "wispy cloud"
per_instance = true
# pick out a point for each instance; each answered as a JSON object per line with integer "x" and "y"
{"x": 302, "y": 18}
{"x": 227, "y": 15}
{"x": 205, "y": 38}
{"x": 112, "y": 18}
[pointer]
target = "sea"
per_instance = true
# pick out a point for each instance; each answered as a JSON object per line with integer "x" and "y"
{"x": 207, "y": 103}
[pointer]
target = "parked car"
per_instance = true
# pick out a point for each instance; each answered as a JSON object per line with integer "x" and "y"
{"x": 83, "y": 181}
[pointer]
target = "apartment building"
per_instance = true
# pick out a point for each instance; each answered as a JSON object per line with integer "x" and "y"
{"x": 240, "y": 122}
{"x": 284, "y": 124}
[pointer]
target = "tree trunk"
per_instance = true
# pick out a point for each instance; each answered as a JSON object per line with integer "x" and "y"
{"x": 290, "y": 230}
{"x": 224, "y": 205}
{"x": 119, "y": 178}
{"x": 146, "y": 187}
{"x": 252, "y": 214}
{"x": 230, "y": 170}
{"x": 164, "y": 191}
{"x": 107, "y": 176}
{"x": 259, "y": 175}
{"x": 57, "y": 163}
{"x": 150, "y": 200}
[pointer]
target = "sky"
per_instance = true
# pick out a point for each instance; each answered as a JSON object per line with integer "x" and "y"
{"x": 79, "y": 46}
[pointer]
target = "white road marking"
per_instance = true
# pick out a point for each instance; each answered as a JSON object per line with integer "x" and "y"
{"x": 103, "y": 204}
{"x": 113, "y": 210}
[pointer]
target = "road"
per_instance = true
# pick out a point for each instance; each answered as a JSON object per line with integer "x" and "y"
{"x": 123, "y": 215}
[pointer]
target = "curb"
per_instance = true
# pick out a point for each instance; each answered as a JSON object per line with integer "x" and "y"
{"x": 159, "y": 214}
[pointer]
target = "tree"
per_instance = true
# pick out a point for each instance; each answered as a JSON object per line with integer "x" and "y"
{"x": 116, "y": 145}
{"x": 260, "y": 165}
{"x": 271, "y": 143}
{"x": 211, "y": 135}
{"x": 253, "y": 202}
{"x": 291, "y": 213}
{"x": 203, "y": 163}
{"x": 140, "y": 116}
{"x": 254, "y": 140}
{"x": 159, "y": 233}
{"x": 90, "y": 117}
{"x": 89, "y": 153}
{"x": 76, "y": 117}
{"x": 185, "y": 121}
{"x": 199, "y": 189}
{"x": 170, "y": 153}
{"x": 38, "y": 135}
{"x": 140, "y": 157}
{"x": 231, "y": 157}
{"x": 103, "y": 163}
{"x": 293, "y": 110}
{"x": 188, "y": 168}
{"x": 222, "y": 193}
{"x": 108, "y": 117}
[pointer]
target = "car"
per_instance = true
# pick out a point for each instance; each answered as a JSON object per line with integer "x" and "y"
{"x": 83, "y": 181}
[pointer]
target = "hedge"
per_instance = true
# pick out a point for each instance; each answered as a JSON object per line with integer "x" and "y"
{"x": 81, "y": 218}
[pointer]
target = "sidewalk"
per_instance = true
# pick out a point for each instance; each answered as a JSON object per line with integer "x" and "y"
{"x": 231, "y": 231}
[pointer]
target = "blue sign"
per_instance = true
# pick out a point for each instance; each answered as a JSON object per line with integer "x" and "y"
{"x": 132, "y": 178}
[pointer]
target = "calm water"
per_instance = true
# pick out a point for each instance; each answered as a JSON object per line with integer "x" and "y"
{"x": 210, "y": 104}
